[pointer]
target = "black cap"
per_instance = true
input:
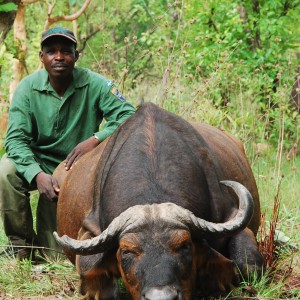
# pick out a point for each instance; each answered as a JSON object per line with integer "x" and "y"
{"x": 58, "y": 31}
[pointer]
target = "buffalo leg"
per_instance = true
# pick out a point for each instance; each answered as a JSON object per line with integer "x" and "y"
{"x": 243, "y": 250}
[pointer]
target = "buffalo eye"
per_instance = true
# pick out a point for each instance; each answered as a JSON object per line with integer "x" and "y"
{"x": 128, "y": 252}
{"x": 184, "y": 248}
{"x": 128, "y": 257}
{"x": 184, "y": 253}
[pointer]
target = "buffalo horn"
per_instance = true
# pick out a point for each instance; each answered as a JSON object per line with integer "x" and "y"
{"x": 232, "y": 226}
{"x": 134, "y": 217}
{"x": 108, "y": 238}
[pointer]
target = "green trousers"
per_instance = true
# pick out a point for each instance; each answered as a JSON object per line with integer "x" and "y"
{"x": 17, "y": 215}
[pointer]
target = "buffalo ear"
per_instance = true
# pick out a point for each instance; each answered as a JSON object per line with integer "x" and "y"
{"x": 104, "y": 263}
{"x": 97, "y": 283}
{"x": 98, "y": 272}
{"x": 216, "y": 274}
{"x": 98, "y": 275}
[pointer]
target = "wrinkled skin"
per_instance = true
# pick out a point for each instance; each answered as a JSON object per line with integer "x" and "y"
{"x": 156, "y": 157}
{"x": 75, "y": 194}
{"x": 171, "y": 261}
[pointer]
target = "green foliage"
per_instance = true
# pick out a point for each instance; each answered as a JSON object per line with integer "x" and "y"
{"x": 7, "y": 7}
{"x": 226, "y": 63}
{"x": 232, "y": 53}
{"x": 75, "y": 2}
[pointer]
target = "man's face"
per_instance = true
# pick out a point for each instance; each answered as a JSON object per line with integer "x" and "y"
{"x": 58, "y": 56}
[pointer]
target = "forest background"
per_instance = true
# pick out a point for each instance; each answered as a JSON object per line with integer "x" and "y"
{"x": 231, "y": 64}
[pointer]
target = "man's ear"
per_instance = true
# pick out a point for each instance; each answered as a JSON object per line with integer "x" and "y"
{"x": 41, "y": 55}
{"x": 76, "y": 55}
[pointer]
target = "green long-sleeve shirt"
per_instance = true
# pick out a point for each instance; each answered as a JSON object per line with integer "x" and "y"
{"x": 43, "y": 128}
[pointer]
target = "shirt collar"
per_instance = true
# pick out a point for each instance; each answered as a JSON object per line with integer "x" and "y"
{"x": 80, "y": 79}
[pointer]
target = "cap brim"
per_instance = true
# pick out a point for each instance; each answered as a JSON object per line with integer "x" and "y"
{"x": 59, "y": 34}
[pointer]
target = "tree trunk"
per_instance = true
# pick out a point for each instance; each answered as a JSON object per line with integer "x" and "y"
{"x": 256, "y": 14}
{"x": 19, "y": 67}
{"x": 254, "y": 41}
{"x": 295, "y": 94}
{"x": 7, "y": 20}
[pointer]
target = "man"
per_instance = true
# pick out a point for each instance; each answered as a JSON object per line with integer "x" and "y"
{"x": 54, "y": 116}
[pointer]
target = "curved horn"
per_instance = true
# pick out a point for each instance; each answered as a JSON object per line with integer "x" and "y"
{"x": 232, "y": 226}
{"x": 109, "y": 237}
{"x": 137, "y": 215}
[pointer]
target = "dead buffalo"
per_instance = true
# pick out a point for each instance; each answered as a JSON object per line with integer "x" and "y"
{"x": 170, "y": 207}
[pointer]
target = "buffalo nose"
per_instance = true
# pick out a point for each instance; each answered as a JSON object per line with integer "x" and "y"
{"x": 161, "y": 293}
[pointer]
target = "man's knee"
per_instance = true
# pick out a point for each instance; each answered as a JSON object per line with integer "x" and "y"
{"x": 8, "y": 170}
{"x": 10, "y": 179}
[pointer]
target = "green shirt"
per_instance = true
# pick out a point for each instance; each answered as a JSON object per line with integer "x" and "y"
{"x": 43, "y": 128}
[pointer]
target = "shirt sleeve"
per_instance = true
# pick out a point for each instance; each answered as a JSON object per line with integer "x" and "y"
{"x": 115, "y": 111}
{"x": 19, "y": 135}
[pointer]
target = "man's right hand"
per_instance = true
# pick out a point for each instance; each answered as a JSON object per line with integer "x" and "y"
{"x": 81, "y": 149}
{"x": 48, "y": 186}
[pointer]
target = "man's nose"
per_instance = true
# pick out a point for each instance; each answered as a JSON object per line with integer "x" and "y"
{"x": 59, "y": 55}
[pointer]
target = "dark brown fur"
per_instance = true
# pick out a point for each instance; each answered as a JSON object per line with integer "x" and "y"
{"x": 158, "y": 157}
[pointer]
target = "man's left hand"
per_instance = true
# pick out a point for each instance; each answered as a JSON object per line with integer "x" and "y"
{"x": 81, "y": 149}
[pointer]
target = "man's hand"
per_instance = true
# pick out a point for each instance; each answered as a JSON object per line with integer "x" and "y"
{"x": 81, "y": 149}
{"x": 48, "y": 186}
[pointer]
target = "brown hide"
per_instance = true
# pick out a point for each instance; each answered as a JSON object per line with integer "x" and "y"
{"x": 216, "y": 273}
{"x": 87, "y": 180}
{"x": 76, "y": 193}
{"x": 235, "y": 165}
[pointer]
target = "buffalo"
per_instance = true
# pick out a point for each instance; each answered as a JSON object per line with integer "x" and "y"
{"x": 170, "y": 206}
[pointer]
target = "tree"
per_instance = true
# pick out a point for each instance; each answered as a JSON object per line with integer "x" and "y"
{"x": 19, "y": 64}
{"x": 8, "y": 10}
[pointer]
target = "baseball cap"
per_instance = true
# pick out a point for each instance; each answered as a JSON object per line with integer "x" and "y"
{"x": 58, "y": 31}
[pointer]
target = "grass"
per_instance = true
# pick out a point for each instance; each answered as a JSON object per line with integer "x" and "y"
{"x": 277, "y": 176}
{"x": 23, "y": 279}
{"x": 267, "y": 135}
{"x": 59, "y": 277}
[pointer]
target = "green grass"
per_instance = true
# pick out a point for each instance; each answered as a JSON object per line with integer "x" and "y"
{"x": 59, "y": 277}
{"x": 285, "y": 182}
{"x": 276, "y": 175}
{"x": 23, "y": 279}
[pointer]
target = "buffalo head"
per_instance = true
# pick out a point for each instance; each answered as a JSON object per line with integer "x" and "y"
{"x": 160, "y": 251}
